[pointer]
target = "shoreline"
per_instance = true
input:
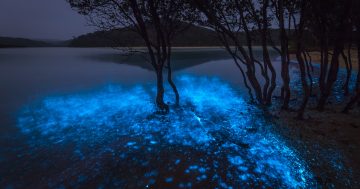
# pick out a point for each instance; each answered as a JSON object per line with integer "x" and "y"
{"x": 329, "y": 139}
{"x": 320, "y": 136}
{"x": 316, "y": 59}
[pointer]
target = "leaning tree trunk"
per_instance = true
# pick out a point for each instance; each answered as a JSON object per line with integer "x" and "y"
{"x": 324, "y": 63}
{"x": 356, "y": 97}
{"x": 304, "y": 83}
{"x": 268, "y": 62}
{"x": 160, "y": 91}
{"x": 299, "y": 50}
{"x": 339, "y": 32}
{"x": 348, "y": 71}
{"x": 250, "y": 62}
{"x": 268, "y": 91}
{"x": 169, "y": 77}
{"x": 309, "y": 69}
{"x": 285, "y": 89}
{"x": 254, "y": 83}
{"x": 332, "y": 76}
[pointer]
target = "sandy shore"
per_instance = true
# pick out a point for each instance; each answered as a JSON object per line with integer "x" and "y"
{"x": 324, "y": 135}
{"x": 321, "y": 131}
{"x": 316, "y": 58}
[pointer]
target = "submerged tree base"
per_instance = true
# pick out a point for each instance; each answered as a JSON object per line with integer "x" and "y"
{"x": 113, "y": 138}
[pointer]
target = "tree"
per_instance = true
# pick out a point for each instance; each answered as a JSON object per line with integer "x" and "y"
{"x": 355, "y": 20}
{"x": 301, "y": 6}
{"x": 329, "y": 21}
{"x": 283, "y": 11}
{"x": 228, "y": 19}
{"x": 156, "y": 21}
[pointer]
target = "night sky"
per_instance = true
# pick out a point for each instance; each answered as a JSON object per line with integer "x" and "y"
{"x": 41, "y": 19}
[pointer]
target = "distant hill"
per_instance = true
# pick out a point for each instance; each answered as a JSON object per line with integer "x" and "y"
{"x": 124, "y": 37}
{"x": 20, "y": 42}
{"x": 9, "y": 42}
{"x": 194, "y": 36}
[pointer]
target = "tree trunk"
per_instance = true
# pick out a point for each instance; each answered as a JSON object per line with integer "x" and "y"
{"x": 160, "y": 91}
{"x": 285, "y": 89}
{"x": 158, "y": 67}
{"x": 356, "y": 98}
{"x": 169, "y": 77}
{"x": 299, "y": 51}
{"x": 304, "y": 83}
{"x": 324, "y": 64}
{"x": 348, "y": 73}
{"x": 255, "y": 84}
{"x": 222, "y": 37}
{"x": 332, "y": 76}
{"x": 352, "y": 102}
{"x": 273, "y": 75}
{"x": 308, "y": 69}
{"x": 268, "y": 91}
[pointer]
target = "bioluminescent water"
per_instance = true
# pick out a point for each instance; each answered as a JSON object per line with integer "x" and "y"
{"x": 113, "y": 137}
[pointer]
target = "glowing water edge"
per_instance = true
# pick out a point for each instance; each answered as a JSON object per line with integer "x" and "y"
{"x": 114, "y": 138}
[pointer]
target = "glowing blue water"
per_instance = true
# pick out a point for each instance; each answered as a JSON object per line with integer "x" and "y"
{"x": 215, "y": 139}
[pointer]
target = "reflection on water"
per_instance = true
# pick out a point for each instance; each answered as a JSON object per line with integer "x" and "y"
{"x": 181, "y": 58}
{"x": 112, "y": 138}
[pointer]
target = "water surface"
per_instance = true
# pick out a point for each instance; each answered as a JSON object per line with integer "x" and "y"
{"x": 77, "y": 118}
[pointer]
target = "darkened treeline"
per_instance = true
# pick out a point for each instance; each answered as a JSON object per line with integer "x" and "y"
{"x": 195, "y": 36}
{"x": 6, "y": 42}
{"x": 331, "y": 26}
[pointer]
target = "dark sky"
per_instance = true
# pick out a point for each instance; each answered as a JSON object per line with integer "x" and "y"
{"x": 40, "y": 19}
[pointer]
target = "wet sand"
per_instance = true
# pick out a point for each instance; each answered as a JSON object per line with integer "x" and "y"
{"x": 328, "y": 129}
{"x": 316, "y": 58}
{"x": 321, "y": 131}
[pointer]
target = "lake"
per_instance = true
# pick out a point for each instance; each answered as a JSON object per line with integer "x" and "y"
{"x": 85, "y": 117}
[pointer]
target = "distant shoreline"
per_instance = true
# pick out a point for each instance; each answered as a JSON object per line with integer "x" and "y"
{"x": 315, "y": 55}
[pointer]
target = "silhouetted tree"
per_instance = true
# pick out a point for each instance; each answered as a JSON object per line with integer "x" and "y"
{"x": 228, "y": 19}
{"x": 156, "y": 21}
{"x": 299, "y": 27}
{"x": 283, "y": 11}
{"x": 262, "y": 19}
{"x": 329, "y": 22}
{"x": 348, "y": 64}
{"x": 355, "y": 20}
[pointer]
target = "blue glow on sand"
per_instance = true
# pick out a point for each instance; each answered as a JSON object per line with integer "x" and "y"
{"x": 215, "y": 139}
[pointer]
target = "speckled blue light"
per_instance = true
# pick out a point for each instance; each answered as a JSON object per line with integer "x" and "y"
{"x": 237, "y": 141}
